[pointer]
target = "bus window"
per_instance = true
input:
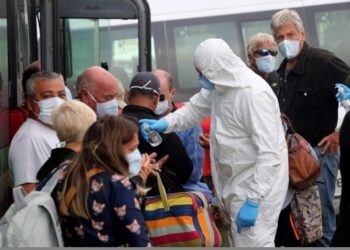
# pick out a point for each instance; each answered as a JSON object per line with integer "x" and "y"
{"x": 331, "y": 25}
{"x": 93, "y": 41}
{"x": 249, "y": 29}
{"x": 84, "y": 44}
{"x": 188, "y": 37}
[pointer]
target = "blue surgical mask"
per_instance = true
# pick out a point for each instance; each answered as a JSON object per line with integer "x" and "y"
{"x": 289, "y": 48}
{"x": 205, "y": 83}
{"x": 134, "y": 160}
{"x": 105, "y": 108}
{"x": 265, "y": 64}
{"x": 46, "y": 106}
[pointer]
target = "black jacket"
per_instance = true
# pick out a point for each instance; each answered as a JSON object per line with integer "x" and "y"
{"x": 58, "y": 155}
{"x": 307, "y": 93}
{"x": 178, "y": 168}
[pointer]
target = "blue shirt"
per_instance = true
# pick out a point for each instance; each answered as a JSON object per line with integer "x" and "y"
{"x": 190, "y": 140}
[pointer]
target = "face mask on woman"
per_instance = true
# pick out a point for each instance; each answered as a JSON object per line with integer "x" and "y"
{"x": 134, "y": 160}
{"x": 265, "y": 64}
{"x": 46, "y": 106}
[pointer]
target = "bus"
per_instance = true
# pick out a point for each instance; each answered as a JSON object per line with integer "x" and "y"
{"x": 140, "y": 35}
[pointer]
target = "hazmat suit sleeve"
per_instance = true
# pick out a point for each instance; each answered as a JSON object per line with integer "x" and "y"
{"x": 263, "y": 120}
{"x": 191, "y": 114}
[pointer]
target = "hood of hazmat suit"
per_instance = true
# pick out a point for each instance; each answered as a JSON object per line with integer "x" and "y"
{"x": 248, "y": 151}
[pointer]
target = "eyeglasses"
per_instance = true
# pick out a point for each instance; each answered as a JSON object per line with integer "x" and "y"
{"x": 265, "y": 52}
{"x": 161, "y": 97}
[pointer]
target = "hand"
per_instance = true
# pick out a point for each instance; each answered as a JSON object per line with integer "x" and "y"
{"x": 247, "y": 215}
{"x": 145, "y": 170}
{"x": 330, "y": 142}
{"x": 149, "y": 165}
{"x": 157, "y": 125}
{"x": 204, "y": 140}
{"x": 346, "y": 95}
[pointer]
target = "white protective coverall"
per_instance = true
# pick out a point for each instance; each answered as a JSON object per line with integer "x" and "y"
{"x": 248, "y": 150}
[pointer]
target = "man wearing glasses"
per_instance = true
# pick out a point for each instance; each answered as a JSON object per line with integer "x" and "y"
{"x": 262, "y": 53}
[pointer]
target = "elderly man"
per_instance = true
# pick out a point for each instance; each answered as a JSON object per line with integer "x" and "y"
{"x": 307, "y": 97}
{"x": 262, "y": 53}
{"x": 188, "y": 137}
{"x": 98, "y": 88}
{"x": 248, "y": 149}
{"x": 33, "y": 142}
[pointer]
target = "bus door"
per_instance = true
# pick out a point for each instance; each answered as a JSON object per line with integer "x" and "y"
{"x": 112, "y": 33}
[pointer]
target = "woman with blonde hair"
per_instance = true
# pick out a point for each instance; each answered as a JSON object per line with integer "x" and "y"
{"x": 97, "y": 201}
{"x": 70, "y": 121}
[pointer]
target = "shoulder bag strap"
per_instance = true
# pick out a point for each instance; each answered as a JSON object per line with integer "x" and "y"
{"x": 72, "y": 191}
{"x": 162, "y": 192}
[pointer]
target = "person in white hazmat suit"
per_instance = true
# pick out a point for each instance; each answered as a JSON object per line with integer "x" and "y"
{"x": 249, "y": 160}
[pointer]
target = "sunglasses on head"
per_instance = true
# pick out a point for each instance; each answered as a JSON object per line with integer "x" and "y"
{"x": 265, "y": 52}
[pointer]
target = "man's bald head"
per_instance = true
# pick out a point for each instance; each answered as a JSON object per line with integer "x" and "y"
{"x": 93, "y": 77}
{"x": 164, "y": 78}
{"x": 98, "y": 83}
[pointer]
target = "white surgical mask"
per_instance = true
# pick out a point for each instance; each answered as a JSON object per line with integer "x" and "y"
{"x": 46, "y": 106}
{"x": 162, "y": 107}
{"x": 134, "y": 160}
{"x": 289, "y": 48}
{"x": 265, "y": 64}
{"x": 105, "y": 108}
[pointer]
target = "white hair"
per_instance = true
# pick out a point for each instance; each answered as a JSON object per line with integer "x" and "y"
{"x": 258, "y": 39}
{"x": 71, "y": 120}
{"x": 41, "y": 76}
{"x": 284, "y": 17}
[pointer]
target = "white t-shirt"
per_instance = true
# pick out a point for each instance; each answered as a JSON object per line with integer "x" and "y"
{"x": 29, "y": 150}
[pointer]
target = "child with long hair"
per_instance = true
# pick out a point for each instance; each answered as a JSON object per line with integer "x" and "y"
{"x": 97, "y": 201}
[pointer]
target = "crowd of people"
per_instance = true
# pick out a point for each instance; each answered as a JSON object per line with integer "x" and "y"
{"x": 227, "y": 141}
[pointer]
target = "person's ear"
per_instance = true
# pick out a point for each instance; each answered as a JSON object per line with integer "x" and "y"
{"x": 173, "y": 93}
{"x": 29, "y": 103}
{"x": 155, "y": 102}
{"x": 84, "y": 96}
{"x": 251, "y": 61}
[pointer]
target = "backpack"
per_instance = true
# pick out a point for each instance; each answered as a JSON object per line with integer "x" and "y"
{"x": 32, "y": 220}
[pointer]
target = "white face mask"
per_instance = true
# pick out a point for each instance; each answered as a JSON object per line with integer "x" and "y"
{"x": 162, "y": 107}
{"x": 289, "y": 48}
{"x": 265, "y": 64}
{"x": 134, "y": 160}
{"x": 46, "y": 106}
{"x": 105, "y": 108}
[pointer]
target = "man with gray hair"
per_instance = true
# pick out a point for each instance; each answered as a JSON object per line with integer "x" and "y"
{"x": 98, "y": 89}
{"x": 32, "y": 144}
{"x": 262, "y": 53}
{"x": 307, "y": 97}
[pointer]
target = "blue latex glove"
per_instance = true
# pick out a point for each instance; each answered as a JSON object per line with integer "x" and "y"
{"x": 157, "y": 125}
{"x": 346, "y": 92}
{"x": 247, "y": 214}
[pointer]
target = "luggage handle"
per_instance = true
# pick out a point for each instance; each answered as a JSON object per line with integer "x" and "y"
{"x": 162, "y": 192}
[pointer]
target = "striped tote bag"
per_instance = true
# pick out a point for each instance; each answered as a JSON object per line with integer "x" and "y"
{"x": 180, "y": 220}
